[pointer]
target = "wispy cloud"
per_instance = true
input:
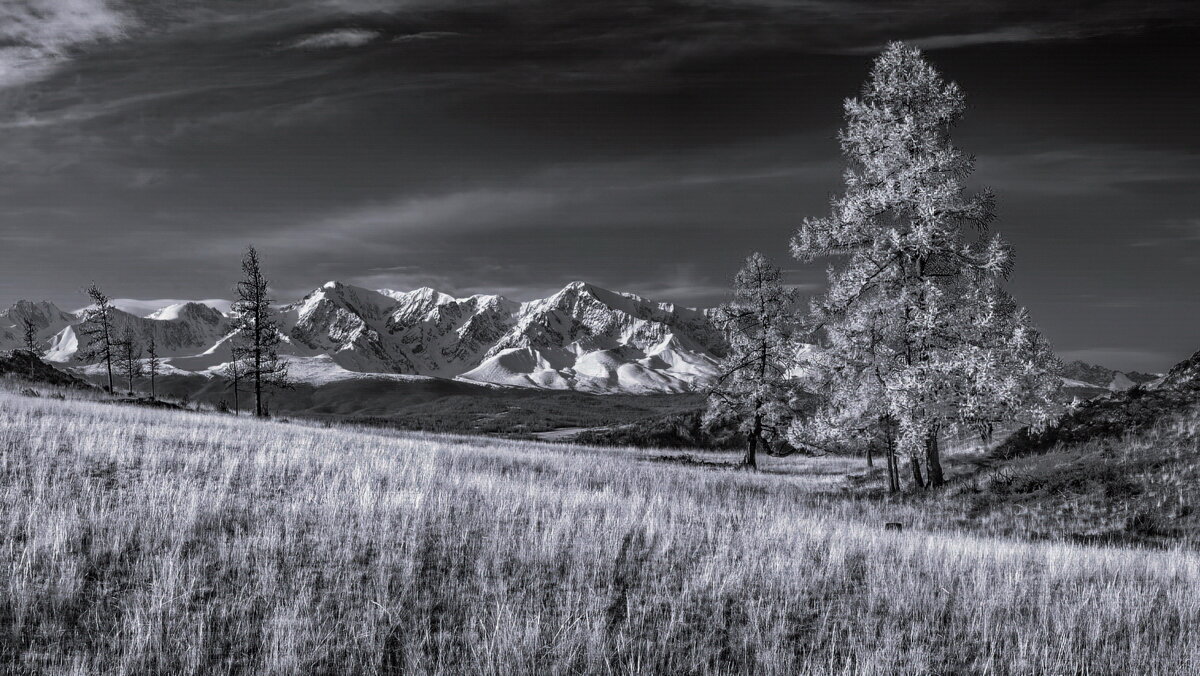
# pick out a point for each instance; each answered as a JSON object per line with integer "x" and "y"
{"x": 1174, "y": 232}
{"x": 462, "y": 211}
{"x": 38, "y": 35}
{"x": 341, "y": 37}
{"x": 1087, "y": 169}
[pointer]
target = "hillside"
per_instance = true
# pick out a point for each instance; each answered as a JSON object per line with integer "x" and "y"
{"x": 145, "y": 541}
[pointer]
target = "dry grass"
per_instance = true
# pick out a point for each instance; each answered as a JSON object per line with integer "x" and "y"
{"x": 153, "y": 542}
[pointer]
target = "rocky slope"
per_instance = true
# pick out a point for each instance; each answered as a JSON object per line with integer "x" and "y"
{"x": 1112, "y": 415}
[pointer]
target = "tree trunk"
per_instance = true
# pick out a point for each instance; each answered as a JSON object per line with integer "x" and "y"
{"x": 870, "y": 455}
{"x": 893, "y": 463}
{"x": 258, "y": 407}
{"x": 751, "y": 458}
{"x": 915, "y": 461}
{"x": 237, "y": 409}
{"x": 933, "y": 460}
{"x": 893, "y": 484}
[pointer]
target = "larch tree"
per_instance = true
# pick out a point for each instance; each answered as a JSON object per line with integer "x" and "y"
{"x": 753, "y": 388}
{"x": 97, "y": 330}
{"x": 153, "y": 362}
{"x": 913, "y": 307}
{"x": 257, "y": 331}
{"x": 235, "y": 371}
{"x": 129, "y": 357}
{"x": 29, "y": 332}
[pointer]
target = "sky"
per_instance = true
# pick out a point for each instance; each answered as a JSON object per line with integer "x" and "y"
{"x": 508, "y": 146}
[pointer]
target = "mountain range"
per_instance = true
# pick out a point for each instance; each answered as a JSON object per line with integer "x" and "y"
{"x": 583, "y": 338}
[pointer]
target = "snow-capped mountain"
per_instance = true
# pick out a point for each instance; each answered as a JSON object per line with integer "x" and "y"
{"x": 48, "y": 319}
{"x": 582, "y": 338}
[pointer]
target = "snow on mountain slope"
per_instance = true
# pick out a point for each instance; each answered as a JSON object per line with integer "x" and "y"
{"x": 1082, "y": 373}
{"x": 48, "y": 319}
{"x": 582, "y": 338}
{"x": 188, "y": 329}
{"x": 147, "y": 308}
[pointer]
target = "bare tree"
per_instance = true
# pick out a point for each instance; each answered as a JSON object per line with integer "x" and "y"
{"x": 258, "y": 331}
{"x": 97, "y": 329}
{"x": 753, "y": 387}
{"x": 153, "y": 362}
{"x": 235, "y": 370}
{"x": 129, "y": 357}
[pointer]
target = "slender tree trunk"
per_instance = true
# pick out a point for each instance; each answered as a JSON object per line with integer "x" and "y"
{"x": 892, "y": 461}
{"x": 237, "y": 409}
{"x": 933, "y": 460}
{"x": 892, "y": 472}
{"x": 108, "y": 365}
{"x": 751, "y": 458}
{"x": 915, "y": 461}
{"x": 152, "y": 384}
{"x": 258, "y": 407}
{"x": 870, "y": 455}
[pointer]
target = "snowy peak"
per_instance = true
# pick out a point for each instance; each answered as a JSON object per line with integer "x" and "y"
{"x": 583, "y": 337}
{"x": 188, "y": 311}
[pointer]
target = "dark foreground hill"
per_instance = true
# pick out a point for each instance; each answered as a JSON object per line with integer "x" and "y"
{"x": 25, "y": 365}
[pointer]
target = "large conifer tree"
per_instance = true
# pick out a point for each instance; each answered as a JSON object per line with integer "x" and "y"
{"x": 257, "y": 340}
{"x": 917, "y": 306}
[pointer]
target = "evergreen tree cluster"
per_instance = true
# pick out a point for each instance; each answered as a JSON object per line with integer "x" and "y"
{"x": 916, "y": 336}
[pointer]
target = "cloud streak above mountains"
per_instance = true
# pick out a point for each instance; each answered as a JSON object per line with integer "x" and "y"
{"x": 520, "y": 144}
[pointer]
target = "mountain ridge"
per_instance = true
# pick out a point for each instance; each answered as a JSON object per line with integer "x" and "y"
{"x": 582, "y": 338}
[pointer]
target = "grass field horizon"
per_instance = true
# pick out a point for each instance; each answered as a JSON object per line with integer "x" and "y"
{"x": 143, "y": 541}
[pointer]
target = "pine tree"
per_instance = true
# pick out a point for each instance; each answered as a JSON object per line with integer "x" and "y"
{"x": 257, "y": 330}
{"x": 753, "y": 387}
{"x": 97, "y": 330}
{"x": 914, "y": 308}
{"x": 153, "y": 362}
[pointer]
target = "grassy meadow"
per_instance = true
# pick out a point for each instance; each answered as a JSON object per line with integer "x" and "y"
{"x": 141, "y": 541}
